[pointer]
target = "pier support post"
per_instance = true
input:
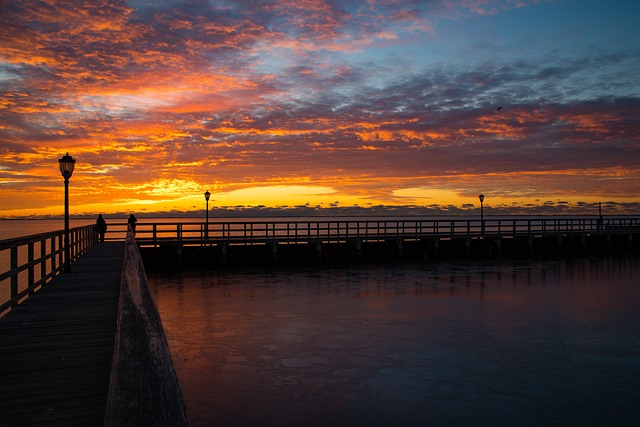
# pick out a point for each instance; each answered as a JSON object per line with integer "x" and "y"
{"x": 359, "y": 249}
{"x": 274, "y": 250}
{"x": 222, "y": 248}
{"x": 318, "y": 247}
{"x": 499, "y": 245}
{"x": 179, "y": 255}
{"x": 560, "y": 243}
{"x": 400, "y": 245}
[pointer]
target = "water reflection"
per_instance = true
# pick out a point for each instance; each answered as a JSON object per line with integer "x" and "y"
{"x": 442, "y": 344}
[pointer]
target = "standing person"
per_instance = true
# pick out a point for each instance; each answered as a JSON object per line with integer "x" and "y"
{"x": 132, "y": 222}
{"x": 101, "y": 227}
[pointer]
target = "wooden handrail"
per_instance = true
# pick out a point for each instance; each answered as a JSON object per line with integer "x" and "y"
{"x": 143, "y": 386}
{"x": 297, "y": 231}
{"x": 50, "y": 258}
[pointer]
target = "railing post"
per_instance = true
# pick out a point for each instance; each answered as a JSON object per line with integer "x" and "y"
{"x": 79, "y": 251}
{"x": 154, "y": 231}
{"x": 53, "y": 254}
{"x": 43, "y": 259}
{"x": 60, "y": 251}
{"x": 14, "y": 277}
{"x": 73, "y": 240}
{"x": 88, "y": 239}
{"x": 31, "y": 274}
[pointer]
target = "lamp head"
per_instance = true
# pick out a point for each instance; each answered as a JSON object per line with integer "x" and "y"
{"x": 207, "y": 195}
{"x": 67, "y": 163}
{"x": 481, "y": 197}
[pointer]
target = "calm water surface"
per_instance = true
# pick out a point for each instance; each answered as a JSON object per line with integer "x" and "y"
{"x": 501, "y": 343}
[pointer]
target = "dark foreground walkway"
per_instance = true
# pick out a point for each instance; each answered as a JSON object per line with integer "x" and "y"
{"x": 56, "y": 347}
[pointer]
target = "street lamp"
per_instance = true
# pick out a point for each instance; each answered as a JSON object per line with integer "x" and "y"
{"x": 481, "y": 197}
{"x": 67, "y": 163}
{"x": 206, "y": 230}
{"x": 600, "y": 216}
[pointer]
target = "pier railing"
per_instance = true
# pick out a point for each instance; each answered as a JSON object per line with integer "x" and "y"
{"x": 338, "y": 231}
{"x": 26, "y": 263}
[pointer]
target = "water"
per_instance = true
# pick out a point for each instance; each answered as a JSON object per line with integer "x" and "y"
{"x": 456, "y": 344}
{"x": 11, "y": 228}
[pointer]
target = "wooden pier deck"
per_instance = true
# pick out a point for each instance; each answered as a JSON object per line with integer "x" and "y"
{"x": 56, "y": 347}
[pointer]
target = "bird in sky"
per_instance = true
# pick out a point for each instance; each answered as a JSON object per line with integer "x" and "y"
{"x": 499, "y": 108}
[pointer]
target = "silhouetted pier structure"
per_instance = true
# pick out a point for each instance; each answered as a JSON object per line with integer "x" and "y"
{"x": 87, "y": 348}
{"x": 56, "y": 348}
{"x": 219, "y": 243}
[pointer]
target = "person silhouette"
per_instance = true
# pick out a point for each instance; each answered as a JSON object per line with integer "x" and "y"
{"x": 132, "y": 223}
{"x": 101, "y": 227}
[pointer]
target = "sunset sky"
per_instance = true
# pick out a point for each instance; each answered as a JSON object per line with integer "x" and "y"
{"x": 534, "y": 103}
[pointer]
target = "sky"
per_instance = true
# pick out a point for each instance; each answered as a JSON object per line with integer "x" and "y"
{"x": 318, "y": 104}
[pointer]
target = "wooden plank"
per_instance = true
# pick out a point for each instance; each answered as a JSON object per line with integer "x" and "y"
{"x": 57, "y": 346}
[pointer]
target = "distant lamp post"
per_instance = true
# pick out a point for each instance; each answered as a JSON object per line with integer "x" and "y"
{"x": 600, "y": 222}
{"x": 481, "y": 197}
{"x": 207, "y": 195}
{"x": 67, "y": 163}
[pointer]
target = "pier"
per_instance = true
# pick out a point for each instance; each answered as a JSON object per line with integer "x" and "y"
{"x": 87, "y": 347}
{"x": 220, "y": 243}
{"x": 57, "y": 347}
{"x": 83, "y": 348}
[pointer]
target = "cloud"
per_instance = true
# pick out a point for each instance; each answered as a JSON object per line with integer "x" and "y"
{"x": 345, "y": 96}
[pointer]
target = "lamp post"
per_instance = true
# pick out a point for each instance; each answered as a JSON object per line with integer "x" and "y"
{"x": 600, "y": 222}
{"x": 67, "y": 163}
{"x": 481, "y": 197}
{"x": 206, "y": 230}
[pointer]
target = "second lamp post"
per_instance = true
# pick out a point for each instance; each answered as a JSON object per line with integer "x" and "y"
{"x": 206, "y": 226}
{"x": 481, "y": 197}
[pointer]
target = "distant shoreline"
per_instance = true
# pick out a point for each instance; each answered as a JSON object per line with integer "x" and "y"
{"x": 213, "y": 216}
